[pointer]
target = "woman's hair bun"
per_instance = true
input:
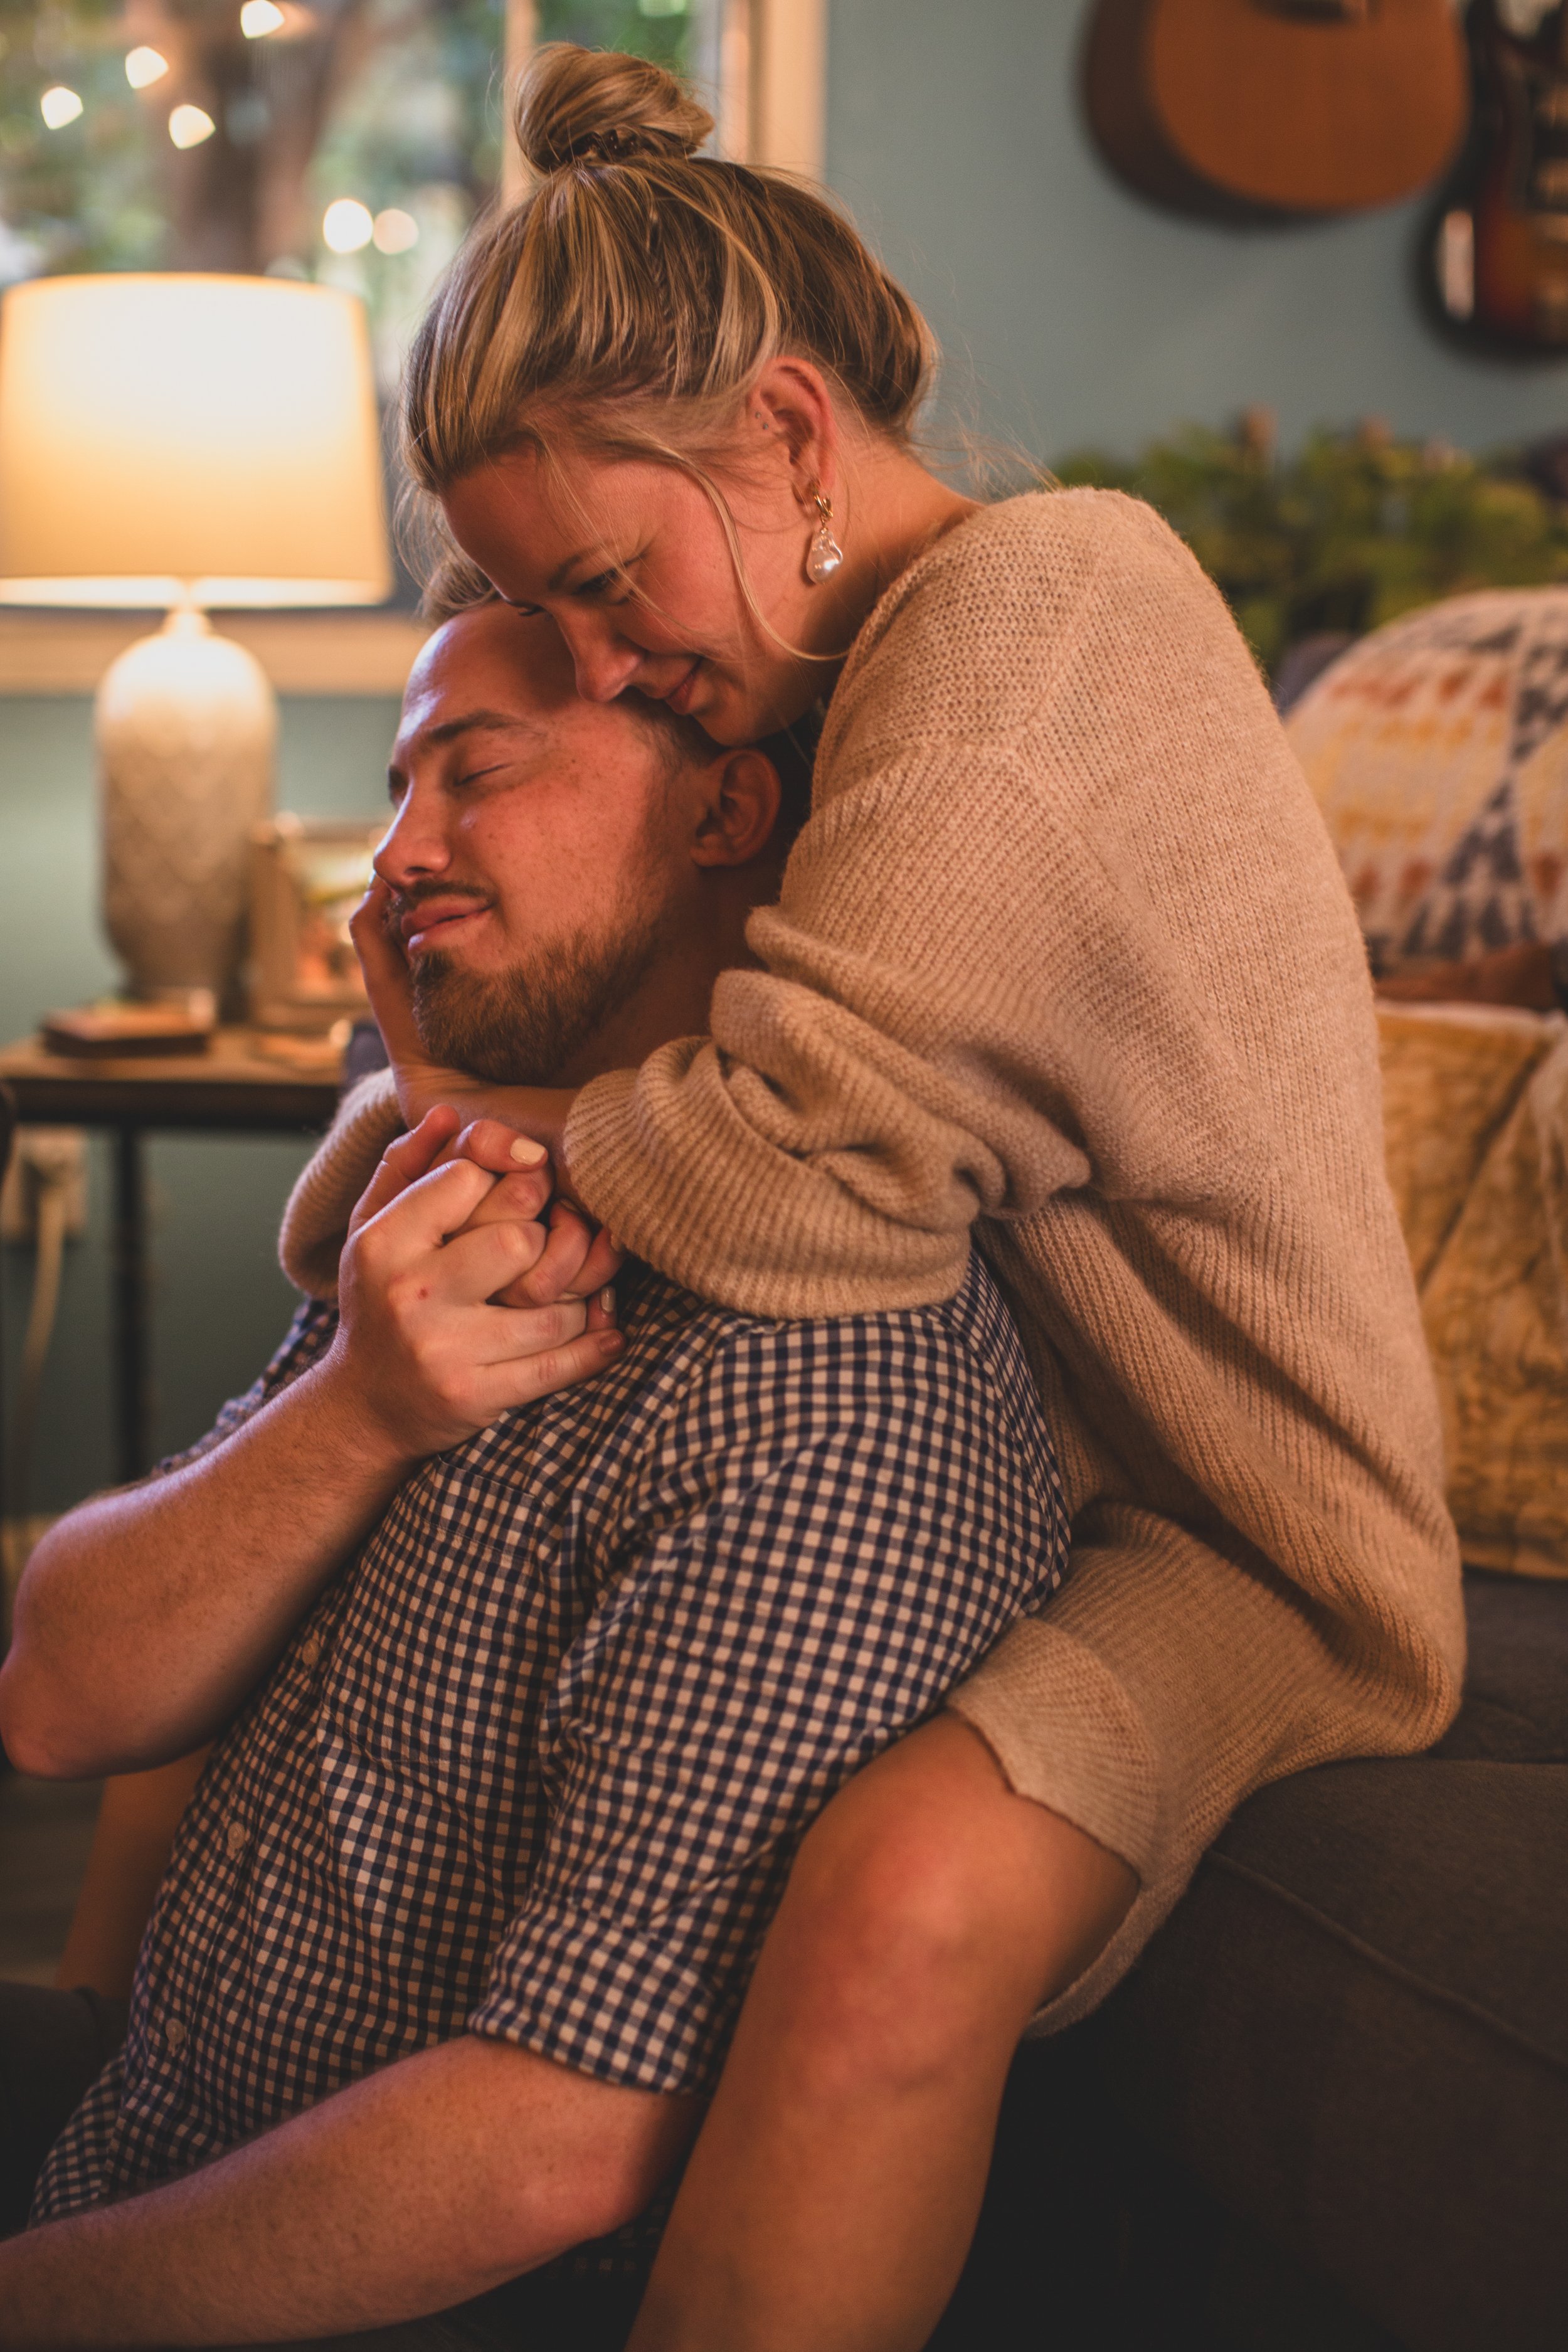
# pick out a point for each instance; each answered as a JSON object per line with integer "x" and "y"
{"x": 599, "y": 105}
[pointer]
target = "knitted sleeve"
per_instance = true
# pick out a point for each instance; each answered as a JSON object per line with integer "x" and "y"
{"x": 316, "y": 1221}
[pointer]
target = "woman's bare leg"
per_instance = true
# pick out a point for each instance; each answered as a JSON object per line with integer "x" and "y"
{"x": 833, "y": 2193}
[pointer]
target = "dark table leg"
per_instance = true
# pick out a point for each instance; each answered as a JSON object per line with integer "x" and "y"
{"x": 132, "y": 1335}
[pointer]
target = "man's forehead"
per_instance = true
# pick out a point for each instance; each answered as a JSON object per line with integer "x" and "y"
{"x": 492, "y": 670}
{"x": 488, "y": 659}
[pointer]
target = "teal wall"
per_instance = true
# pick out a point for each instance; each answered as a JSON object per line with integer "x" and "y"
{"x": 220, "y": 1303}
{"x": 1073, "y": 313}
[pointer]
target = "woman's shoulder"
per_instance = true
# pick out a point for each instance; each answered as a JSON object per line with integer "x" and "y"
{"x": 969, "y": 639}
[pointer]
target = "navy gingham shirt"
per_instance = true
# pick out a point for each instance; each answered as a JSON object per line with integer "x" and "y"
{"x": 537, "y": 1762}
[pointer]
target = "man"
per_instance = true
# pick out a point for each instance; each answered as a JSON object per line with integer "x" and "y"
{"x": 523, "y": 1693}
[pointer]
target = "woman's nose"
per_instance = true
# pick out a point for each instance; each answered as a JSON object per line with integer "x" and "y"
{"x": 603, "y": 662}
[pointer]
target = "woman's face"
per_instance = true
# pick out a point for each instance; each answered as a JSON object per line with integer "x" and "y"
{"x": 631, "y": 561}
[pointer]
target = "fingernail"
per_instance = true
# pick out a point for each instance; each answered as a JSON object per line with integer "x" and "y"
{"x": 611, "y": 1343}
{"x": 607, "y": 1298}
{"x": 525, "y": 1150}
{"x": 612, "y": 1241}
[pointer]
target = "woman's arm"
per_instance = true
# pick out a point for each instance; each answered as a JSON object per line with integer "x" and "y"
{"x": 832, "y": 2192}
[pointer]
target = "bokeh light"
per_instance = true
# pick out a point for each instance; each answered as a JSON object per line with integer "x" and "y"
{"x": 143, "y": 67}
{"x": 395, "y": 231}
{"x": 189, "y": 125}
{"x": 59, "y": 106}
{"x": 346, "y": 225}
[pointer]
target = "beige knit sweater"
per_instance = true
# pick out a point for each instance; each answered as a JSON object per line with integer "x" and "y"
{"x": 1064, "y": 948}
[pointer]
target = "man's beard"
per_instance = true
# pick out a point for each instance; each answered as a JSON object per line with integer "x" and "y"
{"x": 526, "y": 1026}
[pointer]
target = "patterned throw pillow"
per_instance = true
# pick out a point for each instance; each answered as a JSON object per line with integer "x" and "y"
{"x": 1475, "y": 1108}
{"x": 1437, "y": 749}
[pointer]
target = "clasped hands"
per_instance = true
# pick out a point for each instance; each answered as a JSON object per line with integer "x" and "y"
{"x": 468, "y": 1286}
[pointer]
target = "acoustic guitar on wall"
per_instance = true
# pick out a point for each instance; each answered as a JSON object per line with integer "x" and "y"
{"x": 1498, "y": 260}
{"x": 1257, "y": 110}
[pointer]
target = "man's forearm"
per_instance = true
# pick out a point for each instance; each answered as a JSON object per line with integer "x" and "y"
{"x": 146, "y": 1616}
{"x": 419, "y": 2187}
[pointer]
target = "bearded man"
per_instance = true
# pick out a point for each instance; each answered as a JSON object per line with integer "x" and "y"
{"x": 529, "y": 1638}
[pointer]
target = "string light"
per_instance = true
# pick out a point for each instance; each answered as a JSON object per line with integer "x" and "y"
{"x": 143, "y": 67}
{"x": 189, "y": 125}
{"x": 346, "y": 225}
{"x": 59, "y": 106}
{"x": 259, "y": 18}
{"x": 394, "y": 231}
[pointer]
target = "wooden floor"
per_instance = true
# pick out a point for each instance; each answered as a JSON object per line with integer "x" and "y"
{"x": 45, "y": 1828}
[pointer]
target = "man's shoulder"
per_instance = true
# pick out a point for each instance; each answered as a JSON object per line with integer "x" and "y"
{"x": 921, "y": 1416}
{"x": 796, "y": 1378}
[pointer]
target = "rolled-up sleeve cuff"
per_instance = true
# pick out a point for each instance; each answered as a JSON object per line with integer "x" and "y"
{"x": 609, "y": 2000}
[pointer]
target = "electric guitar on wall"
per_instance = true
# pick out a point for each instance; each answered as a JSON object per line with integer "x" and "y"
{"x": 1250, "y": 109}
{"x": 1498, "y": 260}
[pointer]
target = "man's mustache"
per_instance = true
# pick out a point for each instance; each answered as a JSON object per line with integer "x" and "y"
{"x": 399, "y": 903}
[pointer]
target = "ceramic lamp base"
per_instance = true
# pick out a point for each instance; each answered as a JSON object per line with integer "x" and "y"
{"x": 188, "y": 731}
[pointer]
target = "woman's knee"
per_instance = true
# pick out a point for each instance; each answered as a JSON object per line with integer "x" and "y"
{"x": 909, "y": 1935}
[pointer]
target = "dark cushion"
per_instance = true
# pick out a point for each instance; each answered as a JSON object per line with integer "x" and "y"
{"x": 1516, "y": 1685}
{"x": 1353, "y": 2030}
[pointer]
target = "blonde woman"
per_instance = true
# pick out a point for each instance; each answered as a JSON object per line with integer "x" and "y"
{"x": 1062, "y": 967}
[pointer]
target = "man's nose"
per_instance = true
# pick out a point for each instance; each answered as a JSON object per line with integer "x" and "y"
{"x": 414, "y": 847}
{"x": 604, "y": 663}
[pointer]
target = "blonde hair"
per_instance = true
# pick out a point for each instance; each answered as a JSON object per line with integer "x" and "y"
{"x": 637, "y": 291}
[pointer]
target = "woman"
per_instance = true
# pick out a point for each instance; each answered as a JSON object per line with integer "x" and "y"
{"x": 1062, "y": 959}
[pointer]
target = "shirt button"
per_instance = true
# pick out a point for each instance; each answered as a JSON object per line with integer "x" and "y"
{"x": 310, "y": 1650}
{"x": 174, "y": 2034}
{"x": 236, "y": 1840}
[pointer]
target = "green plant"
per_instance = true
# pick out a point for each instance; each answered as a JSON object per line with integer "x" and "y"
{"x": 1354, "y": 530}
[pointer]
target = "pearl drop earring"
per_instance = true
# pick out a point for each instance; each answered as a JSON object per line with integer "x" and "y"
{"x": 825, "y": 555}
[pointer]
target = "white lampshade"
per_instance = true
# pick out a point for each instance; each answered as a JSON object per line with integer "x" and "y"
{"x": 165, "y": 439}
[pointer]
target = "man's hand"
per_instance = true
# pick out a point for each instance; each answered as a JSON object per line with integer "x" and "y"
{"x": 423, "y": 1083}
{"x": 577, "y": 1258}
{"x": 425, "y": 1352}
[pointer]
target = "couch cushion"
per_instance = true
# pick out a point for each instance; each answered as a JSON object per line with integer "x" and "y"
{"x": 1354, "y": 2031}
{"x": 1516, "y": 1685}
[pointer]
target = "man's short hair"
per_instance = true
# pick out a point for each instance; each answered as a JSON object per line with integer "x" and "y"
{"x": 457, "y": 586}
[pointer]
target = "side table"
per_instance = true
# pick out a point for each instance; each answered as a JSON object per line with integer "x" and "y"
{"x": 232, "y": 1088}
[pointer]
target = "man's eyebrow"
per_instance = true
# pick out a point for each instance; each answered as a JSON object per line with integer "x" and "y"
{"x": 486, "y": 723}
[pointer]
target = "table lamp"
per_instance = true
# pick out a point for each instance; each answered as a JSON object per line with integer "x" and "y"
{"x": 179, "y": 443}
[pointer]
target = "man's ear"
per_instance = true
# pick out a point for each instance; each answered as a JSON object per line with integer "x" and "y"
{"x": 738, "y": 809}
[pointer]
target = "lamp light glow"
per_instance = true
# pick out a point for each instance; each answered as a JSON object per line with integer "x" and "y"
{"x": 395, "y": 231}
{"x": 259, "y": 18}
{"x": 143, "y": 67}
{"x": 347, "y": 226}
{"x": 238, "y": 462}
{"x": 59, "y": 106}
{"x": 189, "y": 125}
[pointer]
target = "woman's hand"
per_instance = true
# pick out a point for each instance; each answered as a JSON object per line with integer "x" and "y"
{"x": 579, "y": 1260}
{"x": 540, "y": 1112}
{"x": 428, "y": 1352}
